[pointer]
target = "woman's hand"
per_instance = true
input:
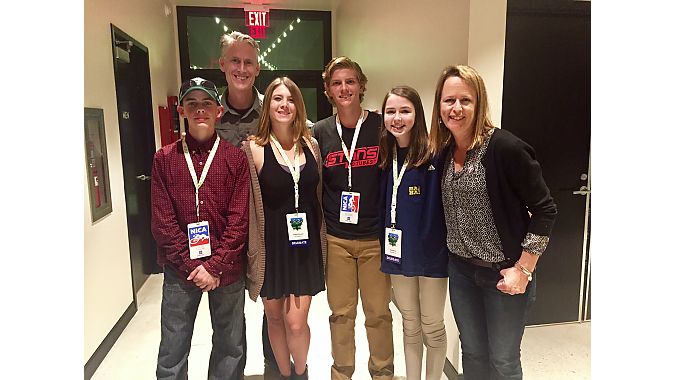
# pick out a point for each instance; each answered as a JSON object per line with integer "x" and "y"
{"x": 513, "y": 281}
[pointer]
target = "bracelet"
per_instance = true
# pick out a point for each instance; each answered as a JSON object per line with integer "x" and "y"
{"x": 525, "y": 271}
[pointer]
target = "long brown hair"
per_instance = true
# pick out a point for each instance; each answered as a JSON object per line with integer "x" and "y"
{"x": 299, "y": 128}
{"x": 440, "y": 136}
{"x": 418, "y": 152}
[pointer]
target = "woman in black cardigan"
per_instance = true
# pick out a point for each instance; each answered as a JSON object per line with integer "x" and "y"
{"x": 499, "y": 215}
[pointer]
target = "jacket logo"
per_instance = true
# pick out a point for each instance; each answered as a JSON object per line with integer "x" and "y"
{"x": 414, "y": 190}
{"x": 363, "y": 156}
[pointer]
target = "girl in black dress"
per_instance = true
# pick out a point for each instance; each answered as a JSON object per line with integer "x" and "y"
{"x": 286, "y": 188}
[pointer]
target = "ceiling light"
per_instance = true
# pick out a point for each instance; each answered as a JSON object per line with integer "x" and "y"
{"x": 217, "y": 20}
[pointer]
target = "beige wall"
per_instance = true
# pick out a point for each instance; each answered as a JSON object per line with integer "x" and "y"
{"x": 107, "y": 273}
{"x": 486, "y": 51}
{"x": 402, "y": 42}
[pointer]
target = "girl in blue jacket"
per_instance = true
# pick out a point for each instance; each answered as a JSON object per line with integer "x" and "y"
{"x": 414, "y": 251}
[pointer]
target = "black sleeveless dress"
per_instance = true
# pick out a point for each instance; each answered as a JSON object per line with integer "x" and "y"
{"x": 289, "y": 270}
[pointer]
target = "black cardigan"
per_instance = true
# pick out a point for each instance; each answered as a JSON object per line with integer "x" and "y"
{"x": 516, "y": 187}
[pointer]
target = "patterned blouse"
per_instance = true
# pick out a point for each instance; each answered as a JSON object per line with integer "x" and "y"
{"x": 467, "y": 208}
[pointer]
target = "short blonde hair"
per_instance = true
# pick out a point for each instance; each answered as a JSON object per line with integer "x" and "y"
{"x": 300, "y": 130}
{"x": 230, "y": 38}
{"x": 343, "y": 63}
{"x": 440, "y": 136}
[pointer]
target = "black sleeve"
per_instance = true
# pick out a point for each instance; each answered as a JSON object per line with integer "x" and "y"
{"x": 524, "y": 175}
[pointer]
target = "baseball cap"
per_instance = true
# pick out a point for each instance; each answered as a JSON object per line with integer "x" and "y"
{"x": 198, "y": 84}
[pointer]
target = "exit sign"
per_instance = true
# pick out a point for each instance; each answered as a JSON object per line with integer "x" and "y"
{"x": 257, "y": 21}
{"x": 257, "y": 18}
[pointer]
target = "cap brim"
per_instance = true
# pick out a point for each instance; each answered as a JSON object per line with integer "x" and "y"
{"x": 212, "y": 94}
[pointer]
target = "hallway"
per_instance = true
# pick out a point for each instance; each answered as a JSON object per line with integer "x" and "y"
{"x": 550, "y": 352}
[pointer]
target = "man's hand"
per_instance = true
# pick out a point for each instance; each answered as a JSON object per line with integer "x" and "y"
{"x": 203, "y": 279}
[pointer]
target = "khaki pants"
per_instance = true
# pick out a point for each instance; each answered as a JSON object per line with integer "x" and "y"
{"x": 352, "y": 268}
{"x": 421, "y": 301}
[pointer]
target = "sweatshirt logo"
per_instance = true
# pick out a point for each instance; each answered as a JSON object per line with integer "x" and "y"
{"x": 363, "y": 156}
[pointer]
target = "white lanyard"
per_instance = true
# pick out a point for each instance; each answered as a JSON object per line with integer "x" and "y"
{"x": 197, "y": 184}
{"x": 294, "y": 169}
{"x": 397, "y": 181}
{"x": 349, "y": 155}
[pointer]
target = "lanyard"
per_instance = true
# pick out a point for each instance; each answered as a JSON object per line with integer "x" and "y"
{"x": 349, "y": 155}
{"x": 397, "y": 181}
{"x": 197, "y": 184}
{"x": 294, "y": 169}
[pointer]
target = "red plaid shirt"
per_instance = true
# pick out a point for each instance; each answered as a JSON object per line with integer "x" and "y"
{"x": 224, "y": 200}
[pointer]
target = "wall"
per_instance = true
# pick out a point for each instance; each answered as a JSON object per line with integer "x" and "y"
{"x": 107, "y": 272}
{"x": 402, "y": 42}
{"x": 486, "y": 51}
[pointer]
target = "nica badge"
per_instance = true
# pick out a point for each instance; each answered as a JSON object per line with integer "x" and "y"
{"x": 349, "y": 207}
{"x": 393, "y": 245}
{"x": 199, "y": 241}
{"x": 296, "y": 225}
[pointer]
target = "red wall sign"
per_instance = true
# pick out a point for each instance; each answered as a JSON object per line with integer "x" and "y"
{"x": 257, "y": 21}
{"x": 257, "y": 18}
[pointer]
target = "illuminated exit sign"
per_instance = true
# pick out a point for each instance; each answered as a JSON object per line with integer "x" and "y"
{"x": 258, "y": 20}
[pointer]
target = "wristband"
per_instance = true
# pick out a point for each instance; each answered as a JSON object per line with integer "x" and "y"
{"x": 524, "y": 270}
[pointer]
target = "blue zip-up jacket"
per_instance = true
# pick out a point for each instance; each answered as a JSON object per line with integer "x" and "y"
{"x": 420, "y": 216}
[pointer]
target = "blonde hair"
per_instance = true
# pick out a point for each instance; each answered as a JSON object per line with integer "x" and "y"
{"x": 440, "y": 136}
{"x": 343, "y": 63}
{"x": 230, "y": 38}
{"x": 299, "y": 128}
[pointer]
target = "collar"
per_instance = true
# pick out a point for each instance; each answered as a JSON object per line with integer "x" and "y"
{"x": 194, "y": 145}
{"x": 257, "y": 104}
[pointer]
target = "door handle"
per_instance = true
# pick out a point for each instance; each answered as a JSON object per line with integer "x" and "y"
{"x": 584, "y": 190}
{"x": 143, "y": 177}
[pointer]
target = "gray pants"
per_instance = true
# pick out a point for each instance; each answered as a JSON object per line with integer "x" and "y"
{"x": 180, "y": 301}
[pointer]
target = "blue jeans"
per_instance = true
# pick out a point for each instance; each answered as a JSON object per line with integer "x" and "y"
{"x": 180, "y": 300}
{"x": 490, "y": 322}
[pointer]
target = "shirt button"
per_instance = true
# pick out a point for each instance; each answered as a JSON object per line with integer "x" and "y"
{"x": 200, "y": 162}
{"x": 201, "y": 202}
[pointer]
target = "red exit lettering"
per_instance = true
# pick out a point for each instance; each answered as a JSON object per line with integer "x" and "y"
{"x": 257, "y": 18}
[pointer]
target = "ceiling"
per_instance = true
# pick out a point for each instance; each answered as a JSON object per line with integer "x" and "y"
{"x": 279, "y": 4}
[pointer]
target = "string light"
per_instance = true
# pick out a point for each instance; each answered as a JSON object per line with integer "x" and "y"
{"x": 218, "y": 20}
{"x": 262, "y": 57}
